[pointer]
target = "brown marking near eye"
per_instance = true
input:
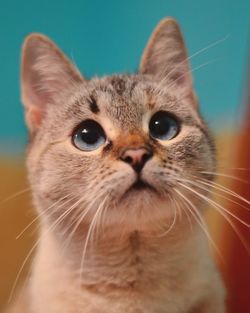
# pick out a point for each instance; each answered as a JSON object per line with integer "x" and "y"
{"x": 93, "y": 105}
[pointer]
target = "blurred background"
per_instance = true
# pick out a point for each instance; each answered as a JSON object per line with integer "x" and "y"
{"x": 104, "y": 37}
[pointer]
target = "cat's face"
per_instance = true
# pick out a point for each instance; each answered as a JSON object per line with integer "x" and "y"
{"x": 115, "y": 149}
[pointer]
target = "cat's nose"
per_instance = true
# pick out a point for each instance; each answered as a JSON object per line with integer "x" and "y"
{"x": 136, "y": 157}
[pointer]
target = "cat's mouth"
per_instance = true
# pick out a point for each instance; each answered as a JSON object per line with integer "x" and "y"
{"x": 140, "y": 185}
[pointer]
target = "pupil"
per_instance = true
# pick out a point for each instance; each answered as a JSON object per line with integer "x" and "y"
{"x": 89, "y": 136}
{"x": 161, "y": 126}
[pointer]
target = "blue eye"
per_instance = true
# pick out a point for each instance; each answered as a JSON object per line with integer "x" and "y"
{"x": 163, "y": 126}
{"x": 88, "y": 136}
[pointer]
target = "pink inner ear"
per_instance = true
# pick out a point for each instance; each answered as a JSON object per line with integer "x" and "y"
{"x": 35, "y": 102}
{"x": 33, "y": 118}
{"x": 36, "y": 117}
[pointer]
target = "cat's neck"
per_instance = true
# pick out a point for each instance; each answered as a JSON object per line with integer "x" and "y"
{"x": 129, "y": 258}
{"x": 114, "y": 266}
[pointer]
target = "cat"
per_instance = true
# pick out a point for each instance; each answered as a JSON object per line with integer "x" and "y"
{"x": 112, "y": 164}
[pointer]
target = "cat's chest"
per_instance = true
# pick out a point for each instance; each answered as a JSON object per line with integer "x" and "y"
{"x": 120, "y": 302}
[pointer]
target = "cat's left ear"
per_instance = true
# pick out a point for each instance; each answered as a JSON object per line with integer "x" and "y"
{"x": 165, "y": 58}
{"x": 46, "y": 73}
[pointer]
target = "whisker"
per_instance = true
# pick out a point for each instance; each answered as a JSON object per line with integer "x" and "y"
{"x": 190, "y": 71}
{"x": 101, "y": 221}
{"x": 226, "y": 190}
{"x": 207, "y": 183}
{"x": 241, "y": 169}
{"x": 13, "y": 196}
{"x": 21, "y": 269}
{"x": 223, "y": 212}
{"x": 211, "y": 45}
{"x": 51, "y": 228}
{"x": 199, "y": 220}
{"x": 81, "y": 214}
{"x": 88, "y": 237}
{"x": 222, "y": 196}
{"x": 216, "y": 204}
{"x": 95, "y": 225}
{"x": 225, "y": 175}
{"x": 172, "y": 224}
{"x": 233, "y": 168}
{"x": 42, "y": 213}
{"x": 188, "y": 216}
{"x": 77, "y": 221}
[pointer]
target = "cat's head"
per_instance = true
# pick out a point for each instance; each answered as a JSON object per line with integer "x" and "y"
{"x": 117, "y": 149}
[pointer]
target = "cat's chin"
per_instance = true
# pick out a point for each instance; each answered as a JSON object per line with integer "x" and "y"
{"x": 143, "y": 197}
{"x": 141, "y": 210}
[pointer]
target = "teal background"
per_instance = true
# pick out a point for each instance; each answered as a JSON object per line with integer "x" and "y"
{"x": 106, "y": 37}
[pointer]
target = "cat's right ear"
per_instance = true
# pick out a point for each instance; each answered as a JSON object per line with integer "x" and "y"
{"x": 165, "y": 58}
{"x": 45, "y": 73}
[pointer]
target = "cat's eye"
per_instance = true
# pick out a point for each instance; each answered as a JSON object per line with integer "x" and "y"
{"x": 88, "y": 136}
{"x": 163, "y": 126}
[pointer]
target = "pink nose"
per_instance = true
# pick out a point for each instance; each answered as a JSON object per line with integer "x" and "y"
{"x": 136, "y": 157}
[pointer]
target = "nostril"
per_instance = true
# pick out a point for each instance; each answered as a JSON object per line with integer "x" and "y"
{"x": 128, "y": 160}
{"x": 146, "y": 156}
